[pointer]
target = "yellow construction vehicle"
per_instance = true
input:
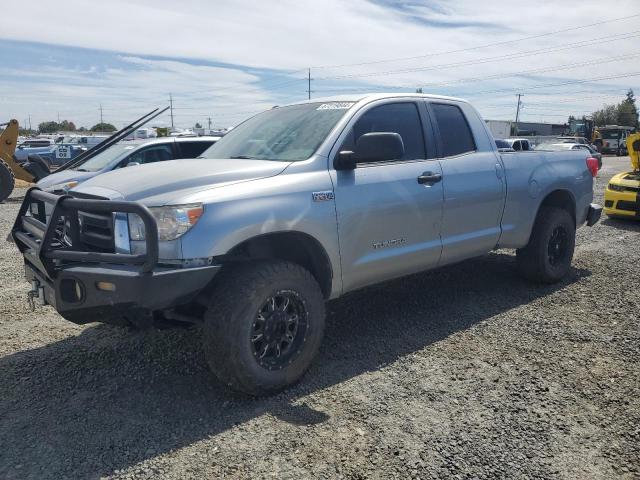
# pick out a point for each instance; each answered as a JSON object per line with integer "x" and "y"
{"x": 622, "y": 196}
{"x": 9, "y": 168}
{"x": 30, "y": 171}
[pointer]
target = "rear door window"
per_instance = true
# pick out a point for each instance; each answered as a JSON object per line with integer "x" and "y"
{"x": 455, "y": 132}
{"x": 192, "y": 149}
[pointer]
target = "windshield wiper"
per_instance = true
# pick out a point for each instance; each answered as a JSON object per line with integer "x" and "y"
{"x": 82, "y": 170}
{"x": 242, "y": 157}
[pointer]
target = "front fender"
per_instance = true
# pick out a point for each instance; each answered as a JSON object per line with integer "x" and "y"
{"x": 284, "y": 203}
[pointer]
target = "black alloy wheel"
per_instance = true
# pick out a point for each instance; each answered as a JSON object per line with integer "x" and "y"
{"x": 558, "y": 248}
{"x": 279, "y": 330}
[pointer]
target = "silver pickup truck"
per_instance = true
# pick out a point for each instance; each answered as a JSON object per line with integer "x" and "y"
{"x": 298, "y": 205}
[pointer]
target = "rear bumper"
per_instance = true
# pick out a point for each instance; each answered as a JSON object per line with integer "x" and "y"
{"x": 118, "y": 294}
{"x": 593, "y": 214}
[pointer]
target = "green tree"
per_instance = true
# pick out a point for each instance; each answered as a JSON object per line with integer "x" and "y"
{"x": 67, "y": 126}
{"x": 608, "y": 115}
{"x": 103, "y": 127}
{"x": 627, "y": 111}
{"x": 198, "y": 125}
{"x": 48, "y": 127}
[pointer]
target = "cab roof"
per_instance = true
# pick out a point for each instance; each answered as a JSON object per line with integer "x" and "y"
{"x": 368, "y": 97}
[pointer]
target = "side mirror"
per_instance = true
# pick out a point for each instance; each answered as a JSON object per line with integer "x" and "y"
{"x": 345, "y": 160}
{"x": 379, "y": 147}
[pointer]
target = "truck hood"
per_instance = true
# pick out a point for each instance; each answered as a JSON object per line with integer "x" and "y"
{"x": 65, "y": 176}
{"x": 168, "y": 182}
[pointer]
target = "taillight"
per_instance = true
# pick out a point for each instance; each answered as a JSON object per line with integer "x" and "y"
{"x": 592, "y": 165}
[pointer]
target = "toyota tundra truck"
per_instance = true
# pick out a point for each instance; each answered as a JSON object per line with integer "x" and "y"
{"x": 296, "y": 206}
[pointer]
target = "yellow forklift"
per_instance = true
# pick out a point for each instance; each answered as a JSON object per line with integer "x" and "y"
{"x": 622, "y": 196}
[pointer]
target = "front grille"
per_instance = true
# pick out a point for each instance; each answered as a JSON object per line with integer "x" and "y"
{"x": 96, "y": 231}
{"x": 628, "y": 206}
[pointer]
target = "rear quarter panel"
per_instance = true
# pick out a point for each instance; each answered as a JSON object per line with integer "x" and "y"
{"x": 531, "y": 177}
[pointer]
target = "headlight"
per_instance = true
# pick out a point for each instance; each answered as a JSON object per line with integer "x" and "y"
{"x": 616, "y": 188}
{"x": 173, "y": 221}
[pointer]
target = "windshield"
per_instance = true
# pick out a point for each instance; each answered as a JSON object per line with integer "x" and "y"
{"x": 284, "y": 134}
{"x": 611, "y": 134}
{"x": 502, "y": 144}
{"x": 105, "y": 158}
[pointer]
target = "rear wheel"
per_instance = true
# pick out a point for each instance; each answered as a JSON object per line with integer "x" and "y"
{"x": 7, "y": 181}
{"x": 264, "y": 326}
{"x": 547, "y": 257}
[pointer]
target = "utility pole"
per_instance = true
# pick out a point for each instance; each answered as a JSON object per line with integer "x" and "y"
{"x": 58, "y": 117}
{"x": 209, "y": 119}
{"x": 309, "y": 83}
{"x": 29, "y": 122}
{"x": 518, "y": 112}
{"x": 171, "y": 105}
{"x": 101, "y": 121}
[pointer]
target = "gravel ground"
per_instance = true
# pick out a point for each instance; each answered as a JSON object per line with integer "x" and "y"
{"x": 465, "y": 372}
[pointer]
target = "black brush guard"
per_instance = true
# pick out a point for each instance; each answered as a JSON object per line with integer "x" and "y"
{"x": 85, "y": 285}
{"x": 39, "y": 237}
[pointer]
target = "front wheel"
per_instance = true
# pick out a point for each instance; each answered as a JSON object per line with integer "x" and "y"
{"x": 263, "y": 326}
{"x": 547, "y": 257}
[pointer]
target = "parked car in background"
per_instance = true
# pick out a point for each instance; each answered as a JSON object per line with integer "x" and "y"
{"x": 557, "y": 147}
{"x": 36, "y": 142}
{"x": 31, "y": 147}
{"x": 519, "y": 144}
{"x": 504, "y": 146}
{"x": 614, "y": 139}
{"x": 580, "y": 140}
{"x": 128, "y": 154}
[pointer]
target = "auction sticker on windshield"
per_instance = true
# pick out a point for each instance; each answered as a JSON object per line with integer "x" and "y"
{"x": 335, "y": 106}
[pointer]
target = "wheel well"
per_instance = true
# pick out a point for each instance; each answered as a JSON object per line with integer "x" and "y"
{"x": 294, "y": 247}
{"x": 561, "y": 199}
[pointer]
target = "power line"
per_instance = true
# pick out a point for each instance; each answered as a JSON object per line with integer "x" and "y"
{"x": 526, "y": 53}
{"x": 598, "y": 61}
{"x": 505, "y": 42}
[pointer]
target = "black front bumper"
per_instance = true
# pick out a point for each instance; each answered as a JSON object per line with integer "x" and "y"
{"x": 118, "y": 294}
{"x": 85, "y": 285}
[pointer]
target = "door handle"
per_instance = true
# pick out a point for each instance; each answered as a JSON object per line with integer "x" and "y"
{"x": 429, "y": 177}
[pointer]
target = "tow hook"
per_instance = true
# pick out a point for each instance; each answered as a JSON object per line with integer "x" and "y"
{"x": 36, "y": 293}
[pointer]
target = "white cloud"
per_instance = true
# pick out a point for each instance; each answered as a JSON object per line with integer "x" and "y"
{"x": 291, "y": 35}
{"x": 125, "y": 94}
